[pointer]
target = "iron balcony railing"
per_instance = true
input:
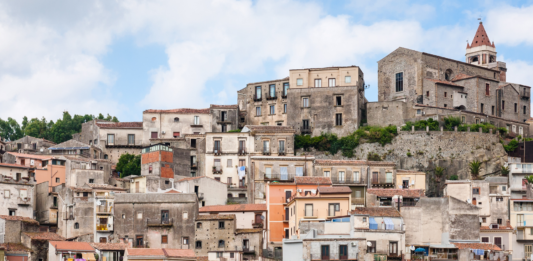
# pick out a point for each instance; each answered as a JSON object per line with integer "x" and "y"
{"x": 266, "y": 152}
{"x": 241, "y": 151}
{"x": 279, "y": 177}
{"x": 160, "y": 222}
{"x": 311, "y": 213}
{"x": 347, "y": 180}
{"x": 257, "y": 98}
{"x": 281, "y": 153}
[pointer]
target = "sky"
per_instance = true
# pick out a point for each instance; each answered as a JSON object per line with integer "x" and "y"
{"x": 123, "y": 57}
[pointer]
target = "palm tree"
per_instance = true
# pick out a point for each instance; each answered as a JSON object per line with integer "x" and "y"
{"x": 475, "y": 167}
{"x": 504, "y": 171}
{"x": 439, "y": 171}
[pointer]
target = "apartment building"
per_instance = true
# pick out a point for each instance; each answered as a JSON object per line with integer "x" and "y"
{"x": 210, "y": 192}
{"x": 17, "y": 188}
{"x": 159, "y": 165}
{"x": 517, "y": 178}
{"x": 29, "y": 145}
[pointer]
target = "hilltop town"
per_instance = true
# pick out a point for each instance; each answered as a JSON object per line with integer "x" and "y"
{"x": 299, "y": 168}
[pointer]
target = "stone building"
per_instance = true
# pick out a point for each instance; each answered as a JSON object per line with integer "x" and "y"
{"x": 335, "y": 106}
{"x": 156, "y": 220}
{"x": 264, "y": 103}
{"x": 224, "y": 117}
{"x": 77, "y": 149}
{"x": 38, "y": 242}
{"x": 160, "y": 163}
{"x": 2, "y": 148}
{"x": 12, "y": 227}
{"x": 393, "y": 197}
{"x": 113, "y": 138}
{"x": 209, "y": 191}
{"x": 359, "y": 175}
{"x": 29, "y": 145}
{"x": 216, "y": 232}
{"x": 17, "y": 189}
{"x": 408, "y": 79}
{"x": 46, "y": 206}
{"x": 81, "y": 171}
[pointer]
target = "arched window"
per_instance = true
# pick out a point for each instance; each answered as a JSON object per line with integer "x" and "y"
{"x": 105, "y": 156}
{"x": 221, "y": 244}
{"x": 230, "y": 195}
{"x": 76, "y": 225}
{"x": 474, "y": 59}
{"x": 199, "y": 225}
{"x": 448, "y": 75}
{"x": 176, "y": 119}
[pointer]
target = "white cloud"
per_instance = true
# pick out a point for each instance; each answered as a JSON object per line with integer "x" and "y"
{"x": 519, "y": 72}
{"x": 511, "y": 25}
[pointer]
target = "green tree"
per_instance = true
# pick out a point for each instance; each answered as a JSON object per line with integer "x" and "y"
{"x": 475, "y": 168}
{"x": 129, "y": 164}
{"x": 10, "y": 129}
{"x": 114, "y": 119}
{"x": 100, "y": 116}
{"x": 454, "y": 177}
{"x": 529, "y": 179}
{"x": 24, "y": 123}
{"x": 439, "y": 171}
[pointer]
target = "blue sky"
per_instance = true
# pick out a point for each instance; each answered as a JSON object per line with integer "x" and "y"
{"x": 122, "y": 57}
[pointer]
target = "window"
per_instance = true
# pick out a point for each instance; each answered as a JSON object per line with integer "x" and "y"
{"x": 475, "y": 191}
{"x": 324, "y": 252}
{"x": 76, "y": 225}
{"x": 243, "y": 120}
{"x": 364, "y": 219}
{"x": 224, "y": 128}
{"x": 221, "y": 244}
{"x": 308, "y": 210}
{"x": 185, "y": 215}
{"x": 427, "y": 93}
{"x": 231, "y": 255}
{"x": 198, "y": 244}
{"x": 338, "y": 119}
{"x": 164, "y": 239}
{"x": 393, "y": 248}
{"x": 150, "y": 168}
{"x": 485, "y": 240}
{"x": 327, "y": 173}
{"x": 91, "y": 180}
{"x": 487, "y": 89}
{"x": 305, "y": 102}
{"x": 342, "y": 176}
{"x": 492, "y": 112}
{"x": 220, "y": 254}
{"x": 154, "y": 135}
{"x": 318, "y": 82}
{"x": 13, "y": 212}
{"x": 257, "y": 111}
{"x": 499, "y": 221}
{"x": 266, "y": 146}
{"x": 338, "y": 101}
{"x": 185, "y": 240}
{"x": 399, "y": 82}
{"x": 90, "y": 143}
{"x": 525, "y": 109}
{"x": 371, "y": 248}
{"x": 515, "y": 107}
{"x": 193, "y": 143}
{"x": 305, "y": 124}
{"x": 196, "y": 120}
{"x": 85, "y": 194}
{"x": 388, "y": 177}
{"x": 153, "y": 118}
{"x": 482, "y": 109}
{"x": 110, "y": 139}
{"x": 285, "y": 88}
{"x": 220, "y": 224}
{"x": 445, "y": 94}
{"x": 528, "y": 250}
{"x": 503, "y": 105}
{"x": 272, "y": 109}
{"x": 176, "y": 119}
{"x": 463, "y": 119}
{"x": 131, "y": 139}
{"x": 499, "y": 199}
{"x": 332, "y": 208}
{"x": 331, "y": 82}
{"x": 257, "y": 92}
{"x": 223, "y": 115}
{"x": 504, "y": 188}
{"x": 217, "y": 146}
{"x": 347, "y": 79}
{"x": 139, "y": 241}
{"x": 282, "y": 146}
{"x": 285, "y": 108}
{"x": 299, "y": 81}
{"x": 176, "y": 134}
{"x": 58, "y": 180}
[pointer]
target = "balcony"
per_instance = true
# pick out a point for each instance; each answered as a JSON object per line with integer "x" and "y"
{"x": 24, "y": 201}
{"x": 104, "y": 210}
{"x": 281, "y": 153}
{"x": 217, "y": 152}
{"x": 285, "y": 218}
{"x": 248, "y": 249}
{"x": 272, "y": 97}
{"x": 217, "y": 170}
{"x": 165, "y": 222}
{"x": 103, "y": 227}
{"x": 347, "y": 180}
{"x": 524, "y": 93}
{"x": 257, "y": 225}
{"x": 266, "y": 153}
{"x": 382, "y": 184}
{"x": 279, "y": 177}
{"x": 241, "y": 152}
{"x": 236, "y": 186}
{"x": 311, "y": 213}
{"x": 200, "y": 195}
{"x": 306, "y": 130}
{"x": 358, "y": 201}
{"x": 284, "y": 96}
{"x": 257, "y": 98}
{"x": 194, "y": 165}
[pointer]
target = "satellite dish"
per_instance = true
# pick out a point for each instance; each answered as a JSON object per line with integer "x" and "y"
{"x": 262, "y": 217}
{"x": 98, "y": 203}
{"x": 369, "y": 244}
{"x": 412, "y": 248}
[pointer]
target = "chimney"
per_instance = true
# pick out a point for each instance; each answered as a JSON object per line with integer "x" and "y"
{"x": 508, "y": 223}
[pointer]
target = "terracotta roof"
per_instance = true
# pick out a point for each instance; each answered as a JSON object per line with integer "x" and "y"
{"x": 110, "y": 246}
{"x": 377, "y": 212}
{"x": 72, "y": 246}
{"x": 104, "y": 186}
{"x": 306, "y": 180}
{"x": 248, "y": 230}
{"x": 334, "y": 190}
{"x": 44, "y": 236}
{"x": 172, "y": 191}
{"x": 179, "y": 252}
{"x": 214, "y": 106}
{"x": 13, "y": 248}
{"x": 145, "y": 252}
{"x": 9, "y": 165}
{"x": 444, "y": 82}
{"x": 326, "y": 68}
{"x": 216, "y": 217}
{"x": 202, "y": 258}
{"x": 121, "y": 125}
{"x": 200, "y": 177}
{"x": 75, "y": 189}
{"x": 183, "y": 110}
{"x": 510, "y": 228}
{"x": 481, "y": 38}
{"x": 283, "y": 79}
{"x": 484, "y": 246}
{"x": 406, "y": 193}
{"x": 30, "y": 156}
{"x": 234, "y": 208}
{"x": 69, "y": 143}
{"x": 462, "y": 76}
{"x": 269, "y": 128}
{"x": 19, "y": 218}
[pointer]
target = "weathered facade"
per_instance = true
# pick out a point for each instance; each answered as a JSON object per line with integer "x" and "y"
{"x": 38, "y": 242}
{"x": 209, "y": 191}
{"x": 46, "y": 206}
{"x": 76, "y": 149}
{"x": 12, "y": 227}
{"x": 30, "y": 145}
{"x": 156, "y": 220}
{"x": 160, "y": 164}
{"x": 17, "y": 189}
{"x": 161, "y": 125}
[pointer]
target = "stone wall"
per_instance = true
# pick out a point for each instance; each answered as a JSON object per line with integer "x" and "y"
{"x": 451, "y": 150}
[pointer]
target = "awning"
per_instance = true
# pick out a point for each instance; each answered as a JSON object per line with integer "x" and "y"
{"x": 388, "y": 224}
{"x": 373, "y": 223}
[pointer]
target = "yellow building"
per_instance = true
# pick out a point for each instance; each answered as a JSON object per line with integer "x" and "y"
{"x": 410, "y": 179}
{"x": 311, "y": 205}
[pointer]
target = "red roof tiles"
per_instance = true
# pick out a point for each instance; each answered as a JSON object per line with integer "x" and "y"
{"x": 216, "y": 217}
{"x": 377, "y": 212}
{"x": 484, "y": 246}
{"x": 444, "y": 82}
{"x": 510, "y": 228}
{"x": 214, "y": 106}
{"x": 9, "y": 165}
{"x": 183, "y": 110}
{"x": 13, "y": 248}
{"x": 481, "y": 38}
{"x": 161, "y": 252}
{"x": 306, "y": 180}
{"x": 30, "y": 156}
{"x": 72, "y": 246}
{"x": 120, "y": 125}
{"x": 179, "y": 252}
{"x": 406, "y": 193}
{"x": 44, "y": 236}
{"x": 462, "y": 76}
{"x": 19, "y": 218}
{"x": 269, "y": 128}
{"x": 234, "y": 208}
{"x": 109, "y": 246}
{"x": 334, "y": 190}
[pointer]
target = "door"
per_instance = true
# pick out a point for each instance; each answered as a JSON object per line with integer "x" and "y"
{"x": 375, "y": 178}
{"x": 286, "y": 214}
{"x": 308, "y": 210}
{"x": 139, "y": 242}
{"x": 324, "y": 252}
{"x": 343, "y": 252}
{"x": 331, "y": 210}
{"x": 474, "y": 202}
{"x": 288, "y": 195}
{"x": 498, "y": 241}
{"x": 137, "y": 187}
{"x": 405, "y": 184}
{"x": 103, "y": 240}
{"x": 393, "y": 248}
{"x": 520, "y": 220}
{"x": 284, "y": 173}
